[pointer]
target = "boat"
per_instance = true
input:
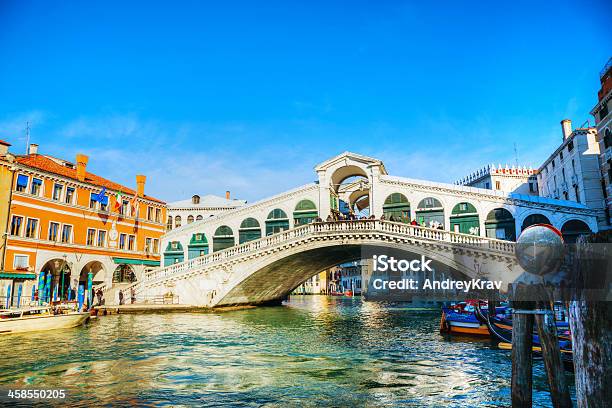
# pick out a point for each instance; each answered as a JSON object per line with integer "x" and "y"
{"x": 501, "y": 330}
{"x": 39, "y": 318}
{"x": 461, "y": 319}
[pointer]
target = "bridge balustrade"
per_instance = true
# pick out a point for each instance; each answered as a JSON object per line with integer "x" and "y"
{"x": 326, "y": 227}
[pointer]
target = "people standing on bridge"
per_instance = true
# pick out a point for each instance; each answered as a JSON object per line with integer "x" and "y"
{"x": 413, "y": 222}
{"x": 120, "y": 297}
{"x": 329, "y": 218}
{"x": 132, "y": 295}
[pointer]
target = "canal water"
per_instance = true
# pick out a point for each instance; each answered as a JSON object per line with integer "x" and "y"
{"x": 312, "y": 351}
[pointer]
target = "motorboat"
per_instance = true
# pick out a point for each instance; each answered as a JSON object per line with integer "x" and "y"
{"x": 39, "y": 318}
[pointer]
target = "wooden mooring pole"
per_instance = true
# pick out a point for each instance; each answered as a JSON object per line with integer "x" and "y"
{"x": 551, "y": 353}
{"x": 522, "y": 343}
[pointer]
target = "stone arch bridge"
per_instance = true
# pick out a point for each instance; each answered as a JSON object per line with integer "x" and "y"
{"x": 269, "y": 268}
{"x": 245, "y": 255}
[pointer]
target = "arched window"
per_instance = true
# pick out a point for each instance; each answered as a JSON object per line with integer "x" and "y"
{"x": 430, "y": 213}
{"x": 189, "y": 219}
{"x": 500, "y": 225}
{"x": 249, "y": 230}
{"x": 535, "y": 219}
{"x": 198, "y": 245}
{"x": 124, "y": 274}
{"x": 169, "y": 224}
{"x": 464, "y": 219}
{"x": 199, "y": 218}
{"x": 397, "y": 208}
{"x": 177, "y": 221}
{"x": 195, "y": 199}
{"x": 277, "y": 221}
{"x": 223, "y": 238}
{"x": 305, "y": 212}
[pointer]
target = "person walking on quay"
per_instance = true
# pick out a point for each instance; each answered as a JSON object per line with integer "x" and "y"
{"x": 120, "y": 297}
{"x": 132, "y": 295}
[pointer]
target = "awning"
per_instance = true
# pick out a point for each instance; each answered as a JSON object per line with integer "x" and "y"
{"x": 22, "y": 180}
{"x": 17, "y": 275}
{"x": 130, "y": 261}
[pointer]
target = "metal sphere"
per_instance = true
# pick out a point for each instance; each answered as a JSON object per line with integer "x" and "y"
{"x": 540, "y": 249}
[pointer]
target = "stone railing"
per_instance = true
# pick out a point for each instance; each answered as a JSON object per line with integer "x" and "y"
{"x": 325, "y": 228}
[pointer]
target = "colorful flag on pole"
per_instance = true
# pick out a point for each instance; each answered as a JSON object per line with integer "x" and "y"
{"x": 89, "y": 289}
{"x": 8, "y": 296}
{"x": 135, "y": 205}
{"x": 118, "y": 202}
{"x": 100, "y": 197}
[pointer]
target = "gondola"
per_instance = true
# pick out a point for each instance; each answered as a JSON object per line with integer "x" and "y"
{"x": 461, "y": 319}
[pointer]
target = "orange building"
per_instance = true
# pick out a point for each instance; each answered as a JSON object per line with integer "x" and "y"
{"x": 67, "y": 222}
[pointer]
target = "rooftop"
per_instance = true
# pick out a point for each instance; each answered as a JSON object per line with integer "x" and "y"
{"x": 67, "y": 169}
{"x": 2, "y": 142}
{"x": 208, "y": 201}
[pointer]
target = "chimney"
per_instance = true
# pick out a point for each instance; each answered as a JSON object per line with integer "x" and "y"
{"x": 227, "y": 195}
{"x": 566, "y": 126}
{"x": 81, "y": 162}
{"x": 140, "y": 184}
{"x": 33, "y": 149}
{"x": 4, "y": 148}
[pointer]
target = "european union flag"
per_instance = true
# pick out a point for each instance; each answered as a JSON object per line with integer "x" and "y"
{"x": 101, "y": 197}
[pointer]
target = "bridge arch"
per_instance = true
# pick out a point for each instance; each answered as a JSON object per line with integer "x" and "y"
{"x": 574, "y": 228}
{"x": 534, "y": 218}
{"x": 276, "y": 221}
{"x": 396, "y": 207}
{"x": 223, "y": 238}
{"x": 464, "y": 218}
{"x": 430, "y": 212}
{"x": 249, "y": 230}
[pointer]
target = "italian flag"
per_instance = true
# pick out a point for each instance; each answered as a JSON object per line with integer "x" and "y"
{"x": 118, "y": 202}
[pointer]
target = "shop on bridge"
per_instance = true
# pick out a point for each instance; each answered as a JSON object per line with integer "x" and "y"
{"x": 250, "y": 230}
{"x": 198, "y": 246}
{"x": 430, "y": 213}
{"x": 397, "y": 208}
{"x": 223, "y": 238}
{"x": 305, "y": 212}
{"x": 464, "y": 219}
{"x": 174, "y": 253}
{"x": 500, "y": 224}
{"x": 277, "y": 221}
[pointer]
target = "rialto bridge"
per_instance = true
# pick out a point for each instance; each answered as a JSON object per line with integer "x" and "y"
{"x": 262, "y": 251}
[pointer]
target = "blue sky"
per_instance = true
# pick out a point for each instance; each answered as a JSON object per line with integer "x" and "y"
{"x": 250, "y": 96}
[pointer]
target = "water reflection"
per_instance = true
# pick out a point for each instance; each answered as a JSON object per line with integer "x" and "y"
{"x": 312, "y": 351}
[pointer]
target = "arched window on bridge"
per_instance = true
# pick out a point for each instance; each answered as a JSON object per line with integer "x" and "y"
{"x": 397, "y": 208}
{"x": 124, "y": 274}
{"x": 430, "y": 212}
{"x": 535, "y": 219}
{"x": 223, "y": 238}
{"x": 169, "y": 224}
{"x": 190, "y": 219}
{"x": 500, "y": 224}
{"x": 572, "y": 229}
{"x": 464, "y": 219}
{"x": 177, "y": 221}
{"x": 249, "y": 230}
{"x": 198, "y": 246}
{"x": 199, "y": 218}
{"x": 305, "y": 212}
{"x": 173, "y": 253}
{"x": 277, "y": 221}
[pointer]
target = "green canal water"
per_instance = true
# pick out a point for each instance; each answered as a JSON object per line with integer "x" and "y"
{"x": 312, "y": 351}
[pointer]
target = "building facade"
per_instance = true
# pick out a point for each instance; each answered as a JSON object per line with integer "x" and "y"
{"x": 518, "y": 180}
{"x": 572, "y": 171}
{"x": 198, "y": 208}
{"x": 6, "y": 179}
{"x": 66, "y": 223}
{"x": 603, "y": 123}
